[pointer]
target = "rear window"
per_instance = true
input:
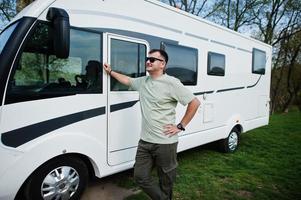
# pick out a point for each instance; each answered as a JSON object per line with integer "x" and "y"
{"x": 258, "y": 61}
{"x": 216, "y": 64}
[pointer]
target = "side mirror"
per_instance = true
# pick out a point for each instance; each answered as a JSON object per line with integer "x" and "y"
{"x": 61, "y": 34}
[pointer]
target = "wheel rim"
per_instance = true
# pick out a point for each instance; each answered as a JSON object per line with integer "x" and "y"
{"x": 233, "y": 141}
{"x": 60, "y": 184}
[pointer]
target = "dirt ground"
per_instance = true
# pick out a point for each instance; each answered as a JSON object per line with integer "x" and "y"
{"x": 105, "y": 189}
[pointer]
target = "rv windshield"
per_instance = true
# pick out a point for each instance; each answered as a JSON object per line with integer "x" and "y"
{"x": 5, "y": 35}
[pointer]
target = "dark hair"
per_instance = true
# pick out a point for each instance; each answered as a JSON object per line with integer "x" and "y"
{"x": 162, "y": 53}
{"x": 93, "y": 65}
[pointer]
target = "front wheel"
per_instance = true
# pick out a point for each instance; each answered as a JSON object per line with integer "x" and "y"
{"x": 230, "y": 144}
{"x": 62, "y": 178}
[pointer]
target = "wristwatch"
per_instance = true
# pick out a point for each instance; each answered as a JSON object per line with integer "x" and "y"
{"x": 181, "y": 127}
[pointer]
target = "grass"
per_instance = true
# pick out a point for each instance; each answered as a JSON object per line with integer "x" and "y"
{"x": 267, "y": 165}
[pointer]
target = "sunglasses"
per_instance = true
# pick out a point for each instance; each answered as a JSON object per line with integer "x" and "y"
{"x": 152, "y": 59}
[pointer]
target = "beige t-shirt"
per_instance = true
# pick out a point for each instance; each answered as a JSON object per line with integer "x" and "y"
{"x": 158, "y": 100}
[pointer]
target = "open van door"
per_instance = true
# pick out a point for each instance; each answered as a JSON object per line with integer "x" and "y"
{"x": 127, "y": 56}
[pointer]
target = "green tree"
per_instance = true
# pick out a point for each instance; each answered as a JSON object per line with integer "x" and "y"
{"x": 292, "y": 76}
{"x": 275, "y": 22}
{"x": 203, "y": 8}
{"x": 278, "y": 23}
{"x": 235, "y": 14}
{"x": 7, "y": 11}
{"x": 9, "y": 8}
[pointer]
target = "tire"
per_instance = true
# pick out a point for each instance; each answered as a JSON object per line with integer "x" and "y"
{"x": 64, "y": 177}
{"x": 230, "y": 144}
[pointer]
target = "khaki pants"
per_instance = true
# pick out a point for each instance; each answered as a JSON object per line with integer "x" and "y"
{"x": 164, "y": 158}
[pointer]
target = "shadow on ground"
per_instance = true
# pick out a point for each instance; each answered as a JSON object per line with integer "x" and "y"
{"x": 108, "y": 188}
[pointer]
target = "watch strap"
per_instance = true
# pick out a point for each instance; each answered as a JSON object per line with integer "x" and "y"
{"x": 181, "y": 127}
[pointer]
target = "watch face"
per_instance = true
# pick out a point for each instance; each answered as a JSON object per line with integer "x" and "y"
{"x": 179, "y": 126}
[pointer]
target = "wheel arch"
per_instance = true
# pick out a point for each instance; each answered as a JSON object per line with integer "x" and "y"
{"x": 88, "y": 162}
{"x": 239, "y": 127}
{"x": 235, "y": 121}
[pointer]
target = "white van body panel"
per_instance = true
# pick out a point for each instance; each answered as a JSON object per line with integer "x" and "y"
{"x": 109, "y": 137}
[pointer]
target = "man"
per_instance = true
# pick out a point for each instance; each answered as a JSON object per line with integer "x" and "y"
{"x": 159, "y": 94}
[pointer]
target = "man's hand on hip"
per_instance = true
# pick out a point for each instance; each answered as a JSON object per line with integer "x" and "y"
{"x": 171, "y": 129}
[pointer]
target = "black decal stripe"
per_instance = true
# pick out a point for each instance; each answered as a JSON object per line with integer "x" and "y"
{"x": 228, "y": 89}
{"x": 25, "y": 134}
{"x": 250, "y": 86}
{"x": 120, "y": 106}
{"x": 200, "y": 93}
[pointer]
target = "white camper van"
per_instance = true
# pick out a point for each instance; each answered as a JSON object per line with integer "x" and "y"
{"x": 62, "y": 118}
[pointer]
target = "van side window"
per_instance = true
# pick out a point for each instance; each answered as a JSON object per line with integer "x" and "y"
{"x": 40, "y": 74}
{"x": 216, "y": 64}
{"x": 182, "y": 63}
{"x": 258, "y": 61}
{"x": 127, "y": 58}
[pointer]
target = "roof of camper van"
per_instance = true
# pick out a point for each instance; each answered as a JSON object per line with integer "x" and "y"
{"x": 37, "y": 7}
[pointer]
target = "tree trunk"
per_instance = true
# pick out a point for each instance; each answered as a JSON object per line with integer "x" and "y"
{"x": 283, "y": 51}
{"x": 290, "y": 88}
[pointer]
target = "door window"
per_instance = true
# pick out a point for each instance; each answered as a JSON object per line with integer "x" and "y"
{"x": 127, "y": 58}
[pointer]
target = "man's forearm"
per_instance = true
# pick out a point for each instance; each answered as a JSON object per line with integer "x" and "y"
{"x": 171, "y": 129}
{"x": 120, "y": 77}
{"x": 190, "y": 111}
